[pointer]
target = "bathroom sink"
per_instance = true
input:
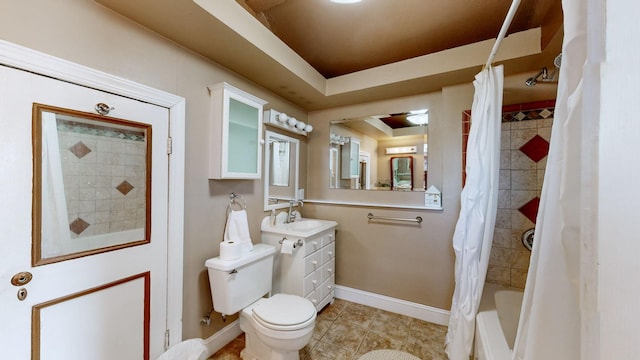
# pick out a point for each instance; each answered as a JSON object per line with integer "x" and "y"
{"x": 302, "y": 227}
{"x": 304, "y": 224}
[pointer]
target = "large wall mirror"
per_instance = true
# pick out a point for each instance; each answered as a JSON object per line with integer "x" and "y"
{"x": 365, "y": 151}
{"x": 281, "y": 166}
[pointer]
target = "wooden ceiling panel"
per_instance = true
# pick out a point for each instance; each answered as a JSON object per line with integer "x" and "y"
{"x": 340, "y": 39}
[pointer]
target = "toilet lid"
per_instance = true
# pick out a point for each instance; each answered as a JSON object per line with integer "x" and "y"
{"x": 284, "y": 310}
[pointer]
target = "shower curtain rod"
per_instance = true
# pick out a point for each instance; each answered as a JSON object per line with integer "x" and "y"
{"x": 503, "y": 31}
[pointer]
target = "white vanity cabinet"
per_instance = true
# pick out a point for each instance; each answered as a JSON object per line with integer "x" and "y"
{"x": 309, "y": 271}
{"x": 235, "y": 133}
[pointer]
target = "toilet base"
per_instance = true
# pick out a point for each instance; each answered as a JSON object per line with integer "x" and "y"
{"x": 257, "y": 349}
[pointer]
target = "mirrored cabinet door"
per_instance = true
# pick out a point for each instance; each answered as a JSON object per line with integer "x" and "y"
{"x": 350, "y": 159}
{"x": 281, "y": 169}
{"x": 235, "y": 147}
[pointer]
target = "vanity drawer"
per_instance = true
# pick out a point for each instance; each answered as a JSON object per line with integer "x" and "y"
{"x": 328, "y": 238}
{"x": 328, "y": 270}
{"x": 314, "y": 297}
{"x": 312, "y": 263}
{"x": 311, "y": 283}
{"x": 328, "y": 252}
{"x": 327, "y": 288}
{"x": 312, "y": 244}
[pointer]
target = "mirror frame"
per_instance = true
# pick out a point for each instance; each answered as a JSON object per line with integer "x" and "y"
{"x": 394, "y": 186}
{"x": 39, "y": 216}
{"x": 268, "y": 203}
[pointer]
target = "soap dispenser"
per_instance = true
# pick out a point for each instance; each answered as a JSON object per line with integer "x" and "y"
{"x": 272, "y": 218}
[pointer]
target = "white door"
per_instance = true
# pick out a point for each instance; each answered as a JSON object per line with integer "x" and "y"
{"x": 365, "y": 170}
{"x": 105, "y": 300}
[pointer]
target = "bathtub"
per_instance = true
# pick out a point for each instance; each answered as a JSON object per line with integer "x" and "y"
{"x": 497, "y": 322}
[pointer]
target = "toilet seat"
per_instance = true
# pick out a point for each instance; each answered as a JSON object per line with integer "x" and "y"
{"x": 284, "y": 312}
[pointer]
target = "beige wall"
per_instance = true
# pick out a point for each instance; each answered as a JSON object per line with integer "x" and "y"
{"x": 409, "y": 262}
{"x": 86, "y": 33}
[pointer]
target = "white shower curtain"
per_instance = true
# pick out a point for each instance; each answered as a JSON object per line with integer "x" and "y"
{"x": 55, "y": 220}
{"x": 549, "y": 325}
{"x": 479, "y": 201}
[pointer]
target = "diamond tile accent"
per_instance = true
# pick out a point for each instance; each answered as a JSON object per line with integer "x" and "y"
{"x": 530, "y": 209}
{"x": 78, "y": 225}
{"x": 523, "y": 112}
{"x": 79, "y": 149}
{"x": 536, "y": 148}
{"x": 124, "y": 187}
{"x": 545, "y": 113}
{"x": 506, "y": 117}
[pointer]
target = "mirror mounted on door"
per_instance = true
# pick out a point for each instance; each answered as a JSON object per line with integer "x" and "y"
{"x": 281, "y": 167}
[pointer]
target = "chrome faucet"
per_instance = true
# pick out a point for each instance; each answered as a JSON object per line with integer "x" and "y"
{"x": 291, "y": 215}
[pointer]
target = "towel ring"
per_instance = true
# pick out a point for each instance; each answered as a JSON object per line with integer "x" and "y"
{"x": 236, "y": 200}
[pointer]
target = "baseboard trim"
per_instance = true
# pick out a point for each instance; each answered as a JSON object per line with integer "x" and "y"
{"x": 221, "y": 338}
{"x": 403, "y": 307}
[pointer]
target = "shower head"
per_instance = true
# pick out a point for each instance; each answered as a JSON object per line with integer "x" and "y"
{"x": 544, "y": 75}
{"x": 558, "y": 61}
{"x": 532, "y": 81}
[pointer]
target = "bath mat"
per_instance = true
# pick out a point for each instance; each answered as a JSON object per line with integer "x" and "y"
{"x": 387, "y": 355}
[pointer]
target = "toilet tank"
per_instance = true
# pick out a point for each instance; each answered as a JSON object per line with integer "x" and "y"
{"x": 235, "y": 284}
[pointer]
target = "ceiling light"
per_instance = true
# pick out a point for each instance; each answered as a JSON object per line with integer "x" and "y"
{"x": 345, "y": 1}
{"x": 419, "y": 119}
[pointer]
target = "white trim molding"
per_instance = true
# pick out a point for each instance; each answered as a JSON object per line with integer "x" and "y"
{"x": 222, "y": 337}
{"x": 398, "y": 306}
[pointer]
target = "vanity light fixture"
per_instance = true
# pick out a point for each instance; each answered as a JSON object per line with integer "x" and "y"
{"x": 345, "y": 1}
{"x": 401, "y": 150}
{"x": 336, "y": 139}
{"x": 283, "y": 121}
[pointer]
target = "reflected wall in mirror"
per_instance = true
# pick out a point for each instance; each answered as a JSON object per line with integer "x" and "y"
{"x": 361, "y": 150}
{"x": 281, "y": 164}
{"x": 92, "y": 184}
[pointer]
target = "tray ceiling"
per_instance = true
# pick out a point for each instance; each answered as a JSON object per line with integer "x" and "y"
{"x": 319, "y": 55}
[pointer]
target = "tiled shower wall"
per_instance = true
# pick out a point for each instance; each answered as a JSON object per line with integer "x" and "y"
{"x": 104, "y": 174}
{"x": 526, "y": 132}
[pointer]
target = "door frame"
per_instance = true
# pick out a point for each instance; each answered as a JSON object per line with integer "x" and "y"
{"x": 23, "y": 58}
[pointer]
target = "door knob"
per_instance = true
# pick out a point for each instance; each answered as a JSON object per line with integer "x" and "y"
{"x": 22, "y": 278}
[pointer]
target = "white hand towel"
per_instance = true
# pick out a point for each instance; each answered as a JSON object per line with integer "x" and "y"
{"x": 237, "y": 229}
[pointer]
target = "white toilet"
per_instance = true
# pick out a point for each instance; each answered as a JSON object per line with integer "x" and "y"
{"x": 275, "y": 327}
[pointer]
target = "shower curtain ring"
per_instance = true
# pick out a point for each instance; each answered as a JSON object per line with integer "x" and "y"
{"x": 103, "y": 109}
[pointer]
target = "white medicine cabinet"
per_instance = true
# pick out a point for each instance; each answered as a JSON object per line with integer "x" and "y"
{"x": 351, "y": 159}
{"x": 235, "y": 134}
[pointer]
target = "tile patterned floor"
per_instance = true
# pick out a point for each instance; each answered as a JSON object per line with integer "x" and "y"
{"x": 345, "y": 331}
